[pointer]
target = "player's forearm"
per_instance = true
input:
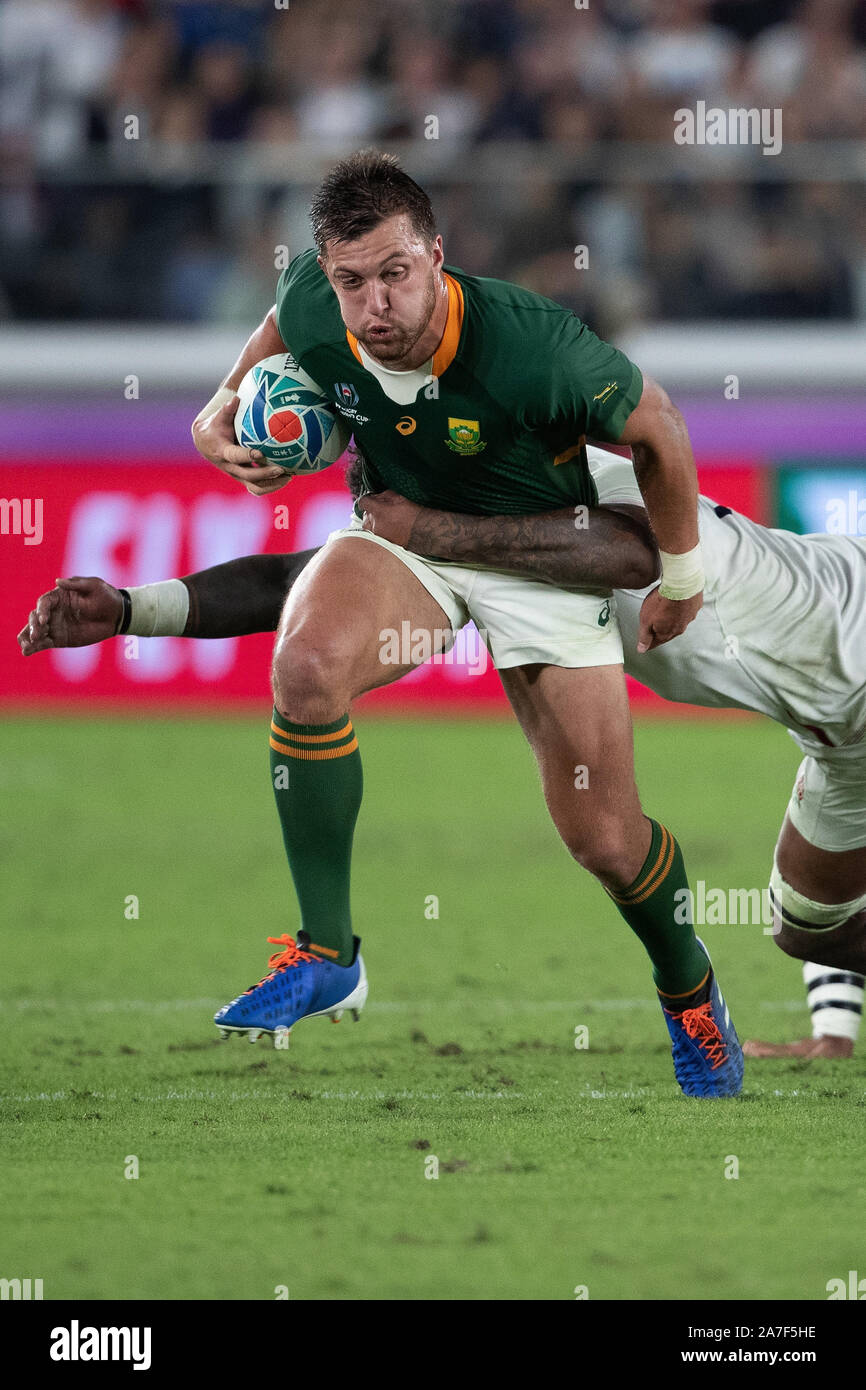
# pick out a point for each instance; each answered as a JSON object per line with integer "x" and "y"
{"x": 665, "y": 470}
{"x": 666, "y": 477}
{"x": 592, "y": 548}
{"x": 664, "y": 466}
{"x": 241, "y": 596}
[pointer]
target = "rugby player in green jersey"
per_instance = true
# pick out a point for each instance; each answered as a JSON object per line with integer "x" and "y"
{"x": 772, "y": 588}
{"x": 474, "y": 396}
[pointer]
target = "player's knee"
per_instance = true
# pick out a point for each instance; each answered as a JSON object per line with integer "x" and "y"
{"x": 602, "y": 849}
{"x": 801, "y": 924}
{"x": 309, "y": 681}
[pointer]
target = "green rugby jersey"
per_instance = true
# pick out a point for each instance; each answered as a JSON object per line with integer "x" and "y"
{"x": 496, "y": 423}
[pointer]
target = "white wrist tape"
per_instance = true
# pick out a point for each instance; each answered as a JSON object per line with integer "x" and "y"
{"x": 682, "y": 575}
{"x": 222, "y": 397}
{"x": 159, "y": 610}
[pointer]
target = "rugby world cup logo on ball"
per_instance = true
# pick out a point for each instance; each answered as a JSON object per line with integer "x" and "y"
{"x": 285, "y": 415}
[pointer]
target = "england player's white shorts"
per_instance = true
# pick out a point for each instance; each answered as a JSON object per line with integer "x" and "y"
{"x": 522, "y": 621}
{"x": 828, "y": 802}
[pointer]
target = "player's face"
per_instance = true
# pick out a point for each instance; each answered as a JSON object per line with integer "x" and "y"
{"x": 388, "y": 285}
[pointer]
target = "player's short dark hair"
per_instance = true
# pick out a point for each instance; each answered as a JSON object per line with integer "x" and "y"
{"x": 363, "y": 190}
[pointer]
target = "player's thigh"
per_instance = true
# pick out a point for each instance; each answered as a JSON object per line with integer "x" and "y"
{"x": 827, "y": 876}
{"x": 578, "y": 723}
{"x": 351, "y": 611}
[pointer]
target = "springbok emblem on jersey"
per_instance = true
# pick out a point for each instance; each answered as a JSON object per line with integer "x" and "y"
{"x": 465, "y": 436}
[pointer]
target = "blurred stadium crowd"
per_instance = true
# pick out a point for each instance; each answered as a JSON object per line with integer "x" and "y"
{"x": 254, "y": 75}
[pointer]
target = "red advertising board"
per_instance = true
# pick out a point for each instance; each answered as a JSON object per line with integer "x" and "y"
{"x": 133, "y": 522}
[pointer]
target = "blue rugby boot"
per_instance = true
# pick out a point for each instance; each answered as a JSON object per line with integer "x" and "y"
{"x": 298, "y": 985}
{"x": 708, "y": 1059}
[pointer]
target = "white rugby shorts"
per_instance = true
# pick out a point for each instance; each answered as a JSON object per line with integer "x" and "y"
{"x": 522, "y": 621}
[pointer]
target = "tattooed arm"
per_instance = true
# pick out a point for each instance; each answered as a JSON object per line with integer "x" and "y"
{"x": 594, "y": 548}
{"x": 583, "y": 547}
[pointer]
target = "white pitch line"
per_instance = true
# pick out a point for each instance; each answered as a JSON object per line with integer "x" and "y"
{"x": 586, "y": 1092}
{"x": 394, "y": 1006}
{"x": 110, "y": 1006}
{"x": 185, "y": 1095}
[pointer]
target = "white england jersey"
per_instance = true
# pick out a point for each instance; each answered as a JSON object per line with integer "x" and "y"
{"x": 782, "y": 630}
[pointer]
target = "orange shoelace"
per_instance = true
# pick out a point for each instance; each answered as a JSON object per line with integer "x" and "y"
{"x": 700, "y": 1025}
{"x": 290, "y": 955}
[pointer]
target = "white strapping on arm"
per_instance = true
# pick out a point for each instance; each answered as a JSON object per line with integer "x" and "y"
{"x": 216, "y": 402}
{"x": 159, "y": 610}
{"x": 682, "y": 575}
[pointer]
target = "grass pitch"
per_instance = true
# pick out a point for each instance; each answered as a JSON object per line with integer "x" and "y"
{"x": 558, "y": 1167}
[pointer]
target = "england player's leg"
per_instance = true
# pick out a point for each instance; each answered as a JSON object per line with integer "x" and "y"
{"x": 578, "y": 724}
{"x": 821, "y": 900}
{"x": 335, "y": 641}
{"x": 818, "y": 889}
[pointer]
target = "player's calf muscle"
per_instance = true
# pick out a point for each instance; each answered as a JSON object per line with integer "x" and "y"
{"x": 843, "y": 948}
{"x": 578, "y": 725}
{"x": 602, "y": 826}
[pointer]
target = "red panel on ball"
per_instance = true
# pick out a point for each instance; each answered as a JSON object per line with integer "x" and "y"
{"x": 284, "y": 426}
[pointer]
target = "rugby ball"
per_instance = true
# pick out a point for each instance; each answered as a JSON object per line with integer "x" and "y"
{"x": 285, "y": 415}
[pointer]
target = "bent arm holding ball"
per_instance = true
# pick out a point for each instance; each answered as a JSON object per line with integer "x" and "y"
{"x": 213, "y": 429}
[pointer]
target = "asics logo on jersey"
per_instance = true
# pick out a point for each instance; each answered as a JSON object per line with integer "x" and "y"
{"x": 406, "y": 426}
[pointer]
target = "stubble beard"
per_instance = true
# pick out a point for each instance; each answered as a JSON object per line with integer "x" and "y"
{"x": 399, "y": 347}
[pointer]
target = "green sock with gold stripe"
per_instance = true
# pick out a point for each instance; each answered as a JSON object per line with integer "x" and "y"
{"x": 655, "y": 914}
{"x": 317, "y": 780}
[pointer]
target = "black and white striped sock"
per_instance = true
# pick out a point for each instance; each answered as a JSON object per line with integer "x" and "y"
{"x": 835, "y": 998}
